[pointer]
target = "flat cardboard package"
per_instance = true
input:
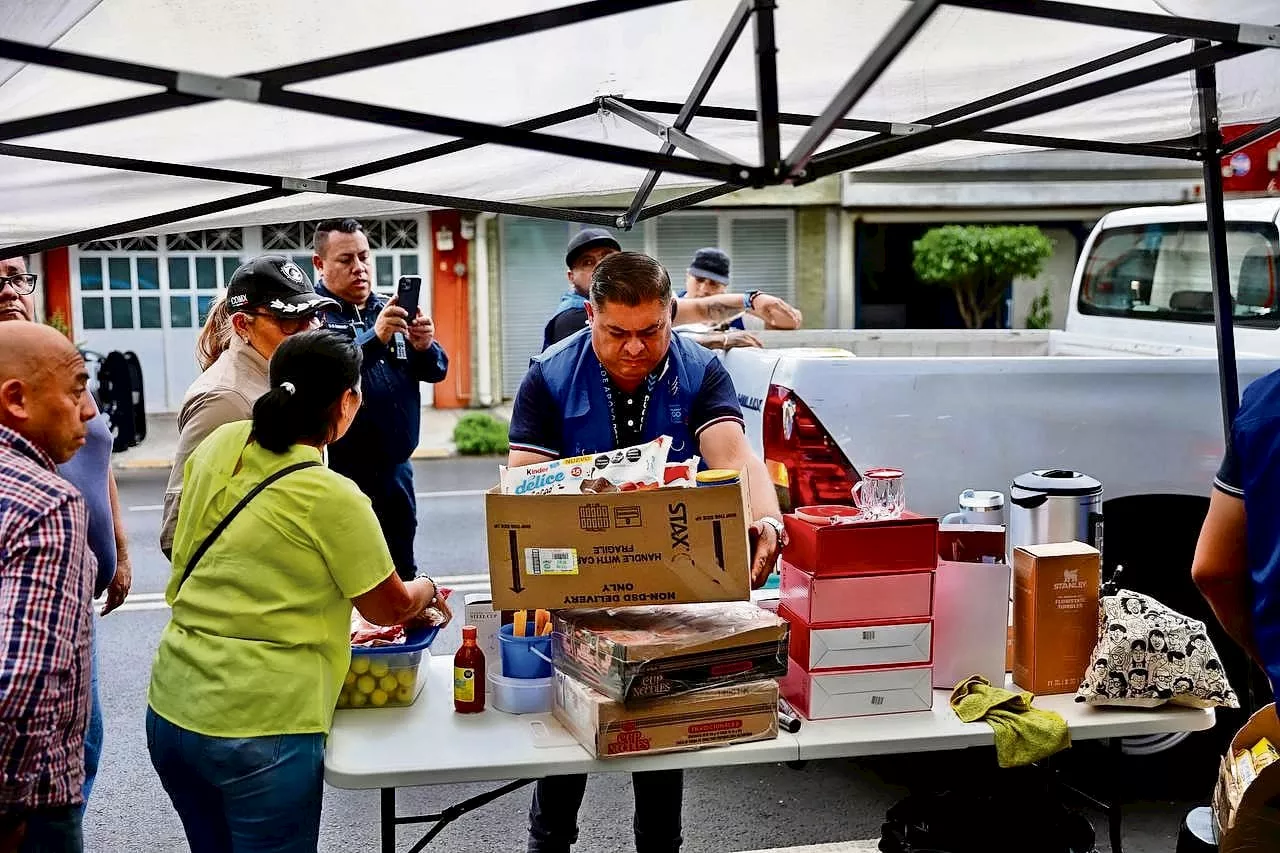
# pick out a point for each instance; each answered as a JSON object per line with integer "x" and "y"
{"x": 860, "y": 644}
{"x": 643, "y": 653}
{"x": 970, "y": 622}
{"x": 1055, "y": 614}
{"x": 660, "y": 546}
{"x": 478, "y": 610}
{"x": 906, "y": 544}
{"x": 858, "y": 693}
{"x": 722, "y": 715}
{"x": 821, "y": 601}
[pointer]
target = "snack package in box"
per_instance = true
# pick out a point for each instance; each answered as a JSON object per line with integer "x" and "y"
{"x": 636, "y": 653}
{"x": 714, "y": 717}
{"x": 628, "y": 469}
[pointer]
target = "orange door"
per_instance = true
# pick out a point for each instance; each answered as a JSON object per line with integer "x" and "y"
{"x": 451, "y": 307}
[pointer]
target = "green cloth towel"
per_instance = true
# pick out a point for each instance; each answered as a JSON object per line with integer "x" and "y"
{"x": 1023, "y": 734}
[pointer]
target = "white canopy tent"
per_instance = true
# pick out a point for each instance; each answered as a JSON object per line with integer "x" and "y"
{"x": 131, "y": 116}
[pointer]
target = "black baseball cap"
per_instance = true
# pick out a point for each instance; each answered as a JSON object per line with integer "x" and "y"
{"x": 711, "y": 264}
{"x": 277, "y": 284}
{"x": 589, "y": 238}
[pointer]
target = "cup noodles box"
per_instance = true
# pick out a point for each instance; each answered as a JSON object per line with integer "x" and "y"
{"x": 1055, "y": 614}
{"x": 642, "y": 653}
{"x": 715, "y": 717}
{"x": 617, "y": 549}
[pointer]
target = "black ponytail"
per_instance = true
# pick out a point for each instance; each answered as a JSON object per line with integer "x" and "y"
{"x": 309, "y": 373}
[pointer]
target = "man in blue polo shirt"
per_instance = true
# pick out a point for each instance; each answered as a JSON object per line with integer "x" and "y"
{"x": 624, "y": 380}
{"x": 1237, "y": 562}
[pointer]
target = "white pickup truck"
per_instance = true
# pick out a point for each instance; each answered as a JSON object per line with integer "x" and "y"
{"x": 1128, "y": 393}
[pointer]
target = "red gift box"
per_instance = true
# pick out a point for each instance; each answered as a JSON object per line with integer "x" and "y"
{"x": 906, "y": 544}
{"x": 825, "y": 601}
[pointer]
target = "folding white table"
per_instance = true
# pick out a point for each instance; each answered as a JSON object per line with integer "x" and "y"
{"x": 428, "y": 744}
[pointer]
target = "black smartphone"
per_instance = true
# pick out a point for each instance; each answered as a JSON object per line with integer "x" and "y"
{"x": 408, "y": 290}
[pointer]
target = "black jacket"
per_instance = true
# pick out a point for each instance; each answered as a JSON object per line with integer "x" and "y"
{"x": 385, "y": 431}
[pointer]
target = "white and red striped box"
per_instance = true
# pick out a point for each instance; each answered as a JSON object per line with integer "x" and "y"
{"x": 859, "y": 645}
{"x": 857, "y": 692}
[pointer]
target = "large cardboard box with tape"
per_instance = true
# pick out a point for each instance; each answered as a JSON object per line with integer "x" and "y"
{"x": 661, "y": 546}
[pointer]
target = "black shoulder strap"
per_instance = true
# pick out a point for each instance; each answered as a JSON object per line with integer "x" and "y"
{"x": 235, "y": 510}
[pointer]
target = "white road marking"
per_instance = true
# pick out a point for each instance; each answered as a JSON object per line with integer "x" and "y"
{"x": 456, "y": 493}
{"x": 868, "y": 845}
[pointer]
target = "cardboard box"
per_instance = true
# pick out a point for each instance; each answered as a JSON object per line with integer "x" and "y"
{"x": 1055, "y": 614}
{"x": 906, "y": 544}
{"x": 642, "y": 653}
{"x": 715, "y": 717}
{"x": 970, "y": 622}
{"x": 665, "y": 546}
{"x": 1246, "y": 818}
{"x": 823, "y": 601}
{"x": 859, "y": 645}
{"x": 478, "y": 610}
{"x": 858, "y": 693}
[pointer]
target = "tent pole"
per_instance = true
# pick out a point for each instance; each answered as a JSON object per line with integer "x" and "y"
{"x": 1211, "y": 143}
{"x": 685, "y": 201}
{"x": 1099, "y": 16}
{"x": 1247, "y": 139}
{"x": 686, "y": 112}
{"x": 767, "y": 87}
{"x": 884, "y": 53}
{"x": 671, "y": 135}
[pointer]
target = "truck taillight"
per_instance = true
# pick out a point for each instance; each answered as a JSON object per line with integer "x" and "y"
{"x": 805, "y": 463}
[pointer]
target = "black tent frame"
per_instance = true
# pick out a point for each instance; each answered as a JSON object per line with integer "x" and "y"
{"x": 1213, "y": 42}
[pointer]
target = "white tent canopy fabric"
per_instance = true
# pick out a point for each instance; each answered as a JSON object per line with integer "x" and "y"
{"x": 655, "y": 53}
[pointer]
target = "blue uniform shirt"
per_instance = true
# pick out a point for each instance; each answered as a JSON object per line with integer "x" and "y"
{"x": 1251, "y": 471}
{"x": 88, "y": 471}
{"x": 563, "y": 409}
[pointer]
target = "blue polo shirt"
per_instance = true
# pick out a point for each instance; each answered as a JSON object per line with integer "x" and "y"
{"x": 543, "y": 413}
{"x": 1251, "y": 471}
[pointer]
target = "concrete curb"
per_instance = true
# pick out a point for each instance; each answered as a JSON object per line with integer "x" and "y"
{"x": 159, "y": 463}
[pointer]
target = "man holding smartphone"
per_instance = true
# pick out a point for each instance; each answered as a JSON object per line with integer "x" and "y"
{"x": 399, "y": 352}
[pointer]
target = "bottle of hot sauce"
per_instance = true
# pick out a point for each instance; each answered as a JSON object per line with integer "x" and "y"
{"x": 468, "y": 674}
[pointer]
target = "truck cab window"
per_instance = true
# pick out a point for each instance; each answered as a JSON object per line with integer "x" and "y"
{"x": 1161, "y": 272}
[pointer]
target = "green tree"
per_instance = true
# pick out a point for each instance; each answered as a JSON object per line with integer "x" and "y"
{"x": 480, "y": 434}
{"x": 978, "y": 262}
{"x": 1040, "y": 314}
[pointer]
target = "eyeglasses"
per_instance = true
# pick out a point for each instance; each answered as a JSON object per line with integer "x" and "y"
{"x": 293, "y": 326}
{"x": 22, "y": 284}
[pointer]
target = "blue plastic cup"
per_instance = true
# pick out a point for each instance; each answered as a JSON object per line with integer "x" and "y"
{"x": 524, "y": 657}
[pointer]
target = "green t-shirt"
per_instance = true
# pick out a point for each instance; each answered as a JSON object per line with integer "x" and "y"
{"x": 260, "y": 636}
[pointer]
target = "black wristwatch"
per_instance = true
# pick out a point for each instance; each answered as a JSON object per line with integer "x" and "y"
{"x": 749, "y": 299}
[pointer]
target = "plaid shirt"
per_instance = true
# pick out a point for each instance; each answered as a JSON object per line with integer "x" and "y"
{"x": 46, "y": 611}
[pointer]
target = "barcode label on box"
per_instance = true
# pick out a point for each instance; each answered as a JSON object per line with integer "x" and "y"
{"x": 551, "y": 561}
{"x": 877, "y": 700}
{"x": 868, "y": 635}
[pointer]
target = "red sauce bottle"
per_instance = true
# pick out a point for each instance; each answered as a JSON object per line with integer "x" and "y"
{"x": 468, "y": 674}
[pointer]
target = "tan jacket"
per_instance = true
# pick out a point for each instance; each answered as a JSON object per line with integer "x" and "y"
{"x": 222, "y": 394}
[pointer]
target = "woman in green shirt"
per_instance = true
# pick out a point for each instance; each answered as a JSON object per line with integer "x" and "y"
{"x": 249, "y": 667}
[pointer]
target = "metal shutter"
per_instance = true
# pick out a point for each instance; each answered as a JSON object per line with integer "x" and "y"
{"x": 676, "y": 238}
{"x": 533, "y": 278}
{"x": 760, "y": 250}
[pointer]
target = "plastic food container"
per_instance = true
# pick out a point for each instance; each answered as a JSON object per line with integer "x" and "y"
{"x": 520, "y": 695}
{"x": 387, "y": 676}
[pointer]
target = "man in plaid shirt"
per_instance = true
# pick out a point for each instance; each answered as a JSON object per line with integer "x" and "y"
{"x": 46, "y": 586}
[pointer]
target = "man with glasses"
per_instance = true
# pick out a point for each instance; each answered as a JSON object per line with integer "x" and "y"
{"x": 589, "y": 246}
{"x": 89, "y": 470}
{"x": 268, "y": 298}
{"x": 375, "y": 451}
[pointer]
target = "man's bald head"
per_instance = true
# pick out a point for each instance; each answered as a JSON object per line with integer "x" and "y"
{"x": 14, "y": 305}
{"x": 43, "y": 388}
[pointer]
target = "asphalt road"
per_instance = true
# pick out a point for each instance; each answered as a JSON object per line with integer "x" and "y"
{"x": 732, "y": 809}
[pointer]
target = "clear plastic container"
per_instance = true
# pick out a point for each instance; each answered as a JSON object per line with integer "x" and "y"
{"x": 387, "y": 676}
{"x": 520, "y": 695}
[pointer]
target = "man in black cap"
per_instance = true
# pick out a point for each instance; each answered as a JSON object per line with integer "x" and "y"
{"x": 268, "y": 298}
{"x": 376, "y": 449}
{"x": 591, "y": 245}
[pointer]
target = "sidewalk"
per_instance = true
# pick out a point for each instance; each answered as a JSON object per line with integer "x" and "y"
{"x": 434, "y": 442}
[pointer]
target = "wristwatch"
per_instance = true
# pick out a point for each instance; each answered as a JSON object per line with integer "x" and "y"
{"x": 777, "y": 528}
{"x": 748, "y": 298}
